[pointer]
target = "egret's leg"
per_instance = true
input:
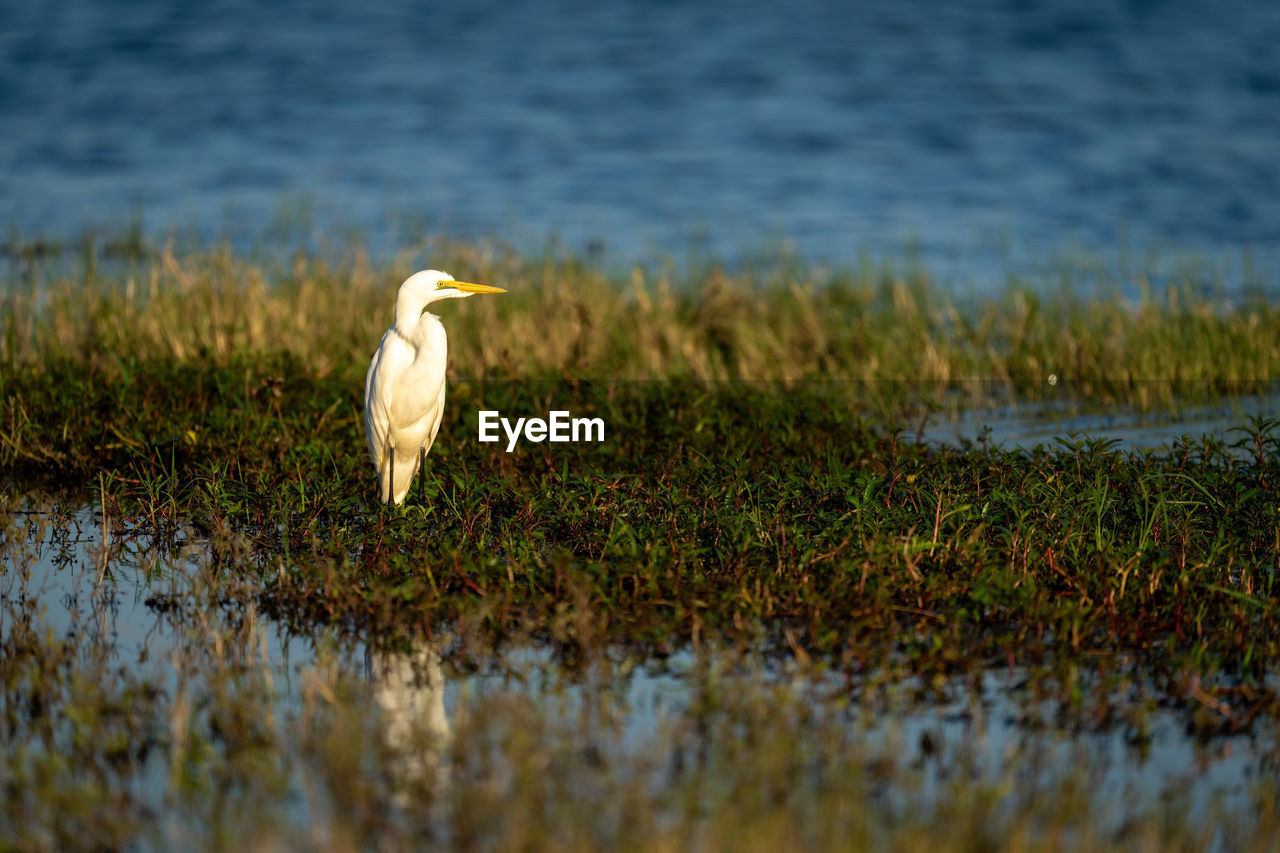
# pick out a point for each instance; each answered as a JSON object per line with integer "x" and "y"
{"x": 391, "y": 480}
{"x": 386, "y": 461}
{"x": 422, "y": 475}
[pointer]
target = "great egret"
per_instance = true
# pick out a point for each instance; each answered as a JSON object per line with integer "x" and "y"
{"x": 404, "y": 389}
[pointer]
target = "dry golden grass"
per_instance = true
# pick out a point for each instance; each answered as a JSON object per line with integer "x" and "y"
{"x": 564, "y": 318}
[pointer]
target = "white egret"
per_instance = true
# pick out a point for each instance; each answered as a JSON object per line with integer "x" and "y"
{"x": 404, "y": 389}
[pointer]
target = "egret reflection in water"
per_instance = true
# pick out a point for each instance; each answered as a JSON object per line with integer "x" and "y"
{"x": 408, "y": 691}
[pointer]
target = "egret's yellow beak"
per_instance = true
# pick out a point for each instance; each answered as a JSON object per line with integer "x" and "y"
{"x": 467, "y": 287}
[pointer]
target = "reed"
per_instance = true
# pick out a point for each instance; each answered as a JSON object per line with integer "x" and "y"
{"x": 564, "y": 318}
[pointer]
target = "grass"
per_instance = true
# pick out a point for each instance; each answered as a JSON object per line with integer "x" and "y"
{"x": 218, "y": 744}
{"x": 758, "y": 493}
{"x": 773, "y": 322}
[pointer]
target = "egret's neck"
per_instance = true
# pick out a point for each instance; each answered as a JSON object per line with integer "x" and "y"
{"x": 417, "y": 326}
{"x": 408, "y": 314}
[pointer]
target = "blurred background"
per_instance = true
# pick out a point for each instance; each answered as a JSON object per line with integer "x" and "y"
{"x": 974, "y": 135}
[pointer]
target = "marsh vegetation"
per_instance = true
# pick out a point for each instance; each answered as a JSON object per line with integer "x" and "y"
{"x": 760, "y": 615}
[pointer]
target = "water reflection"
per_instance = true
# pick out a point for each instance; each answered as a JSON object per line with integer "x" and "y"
{"x": 222, "y": 675}
{"x": 408, "y": 692}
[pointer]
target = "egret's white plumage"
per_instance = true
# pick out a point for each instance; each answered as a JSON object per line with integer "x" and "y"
{"x": 404, "y": 389}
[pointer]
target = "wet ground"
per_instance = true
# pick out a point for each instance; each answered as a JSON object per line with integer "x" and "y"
{"x": 148, "y": 611}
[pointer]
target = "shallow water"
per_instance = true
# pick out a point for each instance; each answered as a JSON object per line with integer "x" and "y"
{"x": 1027, "y": 425}
{"x": 141, "y": 609}
{"x": 969, "y": 134}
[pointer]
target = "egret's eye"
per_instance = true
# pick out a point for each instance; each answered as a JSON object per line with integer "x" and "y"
{"x": 441, "y": 285}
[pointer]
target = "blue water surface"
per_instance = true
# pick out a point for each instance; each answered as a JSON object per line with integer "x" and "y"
{"x": 959, "y": 131}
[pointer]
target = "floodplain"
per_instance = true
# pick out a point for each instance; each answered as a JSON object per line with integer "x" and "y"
{"x": 781, "y": 606}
